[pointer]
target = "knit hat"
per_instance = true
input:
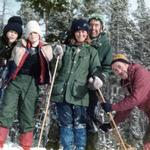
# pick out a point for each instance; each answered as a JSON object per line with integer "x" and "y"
{"x": 79, "y": 24}
{"x": 15, "y": 24}
{"x": 121, "y": 57}
{"x": 32, "y": 26}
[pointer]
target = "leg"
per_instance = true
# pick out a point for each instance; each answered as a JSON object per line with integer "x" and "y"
{"x": 92, "y": 139}
{"x": 79, "y": 115}
{"x": 92, "y": 133}
{"x": 53, "y": 135}
{"x": 66, "y": 128}
{"x": 26, "y": 111}
{"x": 8, "y": 109}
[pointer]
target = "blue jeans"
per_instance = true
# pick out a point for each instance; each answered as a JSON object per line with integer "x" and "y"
{"x": 72, "y": 121}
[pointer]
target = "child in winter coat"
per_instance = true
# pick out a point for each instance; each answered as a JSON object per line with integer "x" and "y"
{"x": 11, "y": 34}
{"x": 29, "y": 67}
{"x": 79, "y": 61}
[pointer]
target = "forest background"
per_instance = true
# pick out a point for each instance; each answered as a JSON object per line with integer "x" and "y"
{"x": 127, "y": 23}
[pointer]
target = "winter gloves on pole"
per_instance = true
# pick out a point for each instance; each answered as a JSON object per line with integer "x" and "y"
{"x": 95, "y": 83}
{"x": 58, "y": 51}
{"x": 106, "y": 107}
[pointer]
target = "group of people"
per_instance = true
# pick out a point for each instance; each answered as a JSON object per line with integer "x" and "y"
{"x": 85, "y": 63}
{"x": 28, "y": 66}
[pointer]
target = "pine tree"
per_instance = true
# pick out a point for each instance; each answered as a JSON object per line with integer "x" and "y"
{"x": 27, "y": 13}
{"x": 143, "y": 22}
{"x": 120, "y": 28}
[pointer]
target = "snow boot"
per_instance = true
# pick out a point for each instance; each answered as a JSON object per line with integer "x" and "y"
{"x": 26, "y": 140}
{"x": 146, "y": 146}
{"x": 92, "y": 140}
{"x": 3, "y": 136}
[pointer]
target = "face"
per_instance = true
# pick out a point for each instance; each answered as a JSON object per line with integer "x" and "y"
{"x": 12, "y": 36}
{"x": 34, "y": 38}
{"x": 120, "y": 69}
{"x": 81, "y": 35}
{"x": 95, "y": 28}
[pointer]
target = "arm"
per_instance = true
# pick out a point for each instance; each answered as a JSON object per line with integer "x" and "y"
{"x": 95, "y": 66}
{"x": 121, "y": 116}
{"x": 140, "y": 90}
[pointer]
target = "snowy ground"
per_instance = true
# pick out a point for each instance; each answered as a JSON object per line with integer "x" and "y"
{"x": 13, "y": 146}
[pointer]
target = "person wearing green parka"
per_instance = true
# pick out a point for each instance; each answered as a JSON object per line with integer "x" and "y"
{"x": 101, "y": 43}
{"x": 79, "y": 61}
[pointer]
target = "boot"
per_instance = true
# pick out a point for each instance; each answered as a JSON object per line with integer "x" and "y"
{"x": 26, "y": 140}
{"x": 92, "y": 141}
{"x": 3, "y": 136}
{"x": 146, "y": 146}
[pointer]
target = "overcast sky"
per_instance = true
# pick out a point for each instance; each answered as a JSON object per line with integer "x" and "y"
{"x": 133, "y": 4}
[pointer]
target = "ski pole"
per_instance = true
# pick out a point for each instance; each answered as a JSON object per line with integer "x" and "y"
{"x": 48, "y": 103}
{"x": 101, "y": 98}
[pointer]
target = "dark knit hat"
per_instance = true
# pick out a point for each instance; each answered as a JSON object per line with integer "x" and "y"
{"x": 15, "y": 24}
{"x": 79, "y": 24}
{"x": 121, "y": 57}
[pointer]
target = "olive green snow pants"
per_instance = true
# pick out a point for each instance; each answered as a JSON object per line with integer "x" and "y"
{"x": 20, "y": 95}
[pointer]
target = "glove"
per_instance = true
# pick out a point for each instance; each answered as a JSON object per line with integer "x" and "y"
{"x": 58, "y": 51}
{"x": 106, "y": 107}
{"x": 105, "y": 127}
{"x": 95, "y": 83}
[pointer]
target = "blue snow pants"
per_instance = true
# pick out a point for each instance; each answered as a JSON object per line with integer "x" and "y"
{"x": 72, "y": 121}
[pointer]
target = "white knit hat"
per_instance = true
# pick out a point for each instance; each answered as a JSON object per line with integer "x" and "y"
{"x": 32, "y": 26}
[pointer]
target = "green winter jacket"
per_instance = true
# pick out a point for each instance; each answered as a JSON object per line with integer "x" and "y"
{"x": 78, "y": 64}
{"x": 101, "y": 44}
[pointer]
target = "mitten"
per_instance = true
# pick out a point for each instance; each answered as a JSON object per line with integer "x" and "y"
{"x": 106, "y": 107}
{"x": 58, "y": 51}
{"x": 95, "y": 83}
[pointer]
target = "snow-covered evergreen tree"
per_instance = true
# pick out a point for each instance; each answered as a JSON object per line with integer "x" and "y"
{"x": 120, "y": 28}
{"x": 142, "y": 18}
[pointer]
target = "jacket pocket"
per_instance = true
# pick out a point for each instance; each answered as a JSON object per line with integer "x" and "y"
{"x": 79, "y": 89}
{"x": 58, "y": 88}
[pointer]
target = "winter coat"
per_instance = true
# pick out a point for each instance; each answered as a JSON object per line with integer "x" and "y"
{"x": 78, "y": 64}
{"x": 5, "y": 51}
{"x": 102, "y": 45}
{"x": 19, "y": 55}
{"x": 138, "y": 85}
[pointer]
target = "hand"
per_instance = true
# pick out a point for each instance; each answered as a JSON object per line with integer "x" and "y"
{"x": 58, "y": 51}
{"x": 105, "y": 127}
{"x": 106, "y": 106}
{"x": 95, "y": 83}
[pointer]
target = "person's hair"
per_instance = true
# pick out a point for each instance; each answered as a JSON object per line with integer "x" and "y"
{"x": 5, "y": 40}
{"x": 73, "y": 40}
{"x": 97, "y": 19}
